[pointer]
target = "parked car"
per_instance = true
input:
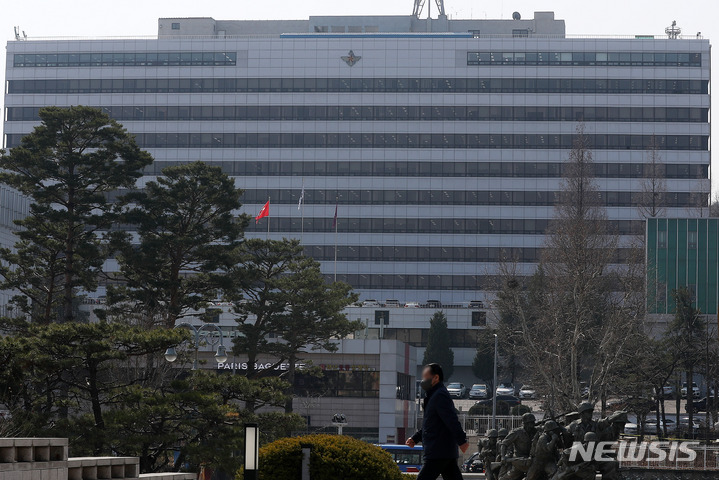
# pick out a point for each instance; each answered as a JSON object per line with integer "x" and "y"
{"x": 505, "y": 389}
{"x": 702, "y": 405}
{"x": 650, "y": 426}
{"x": 434, "y": 304}
{"x": 510, "y": 400}
{"x": 411, "y": 305}
{"x": 585, "y": 389}
{"x": 457, "y": 390}
{"x": 370, "y": 303}
{"x": 392, "y": 303}
{"x": 478, "y": 391}
{"x": 695, "y": 390}
{"x": 476, "y": 304}
{"x": 527, "y": 392}
{"x": 631, "y": 429}
{"x": 473, "y": 464}
{"x": 668, "y": 391}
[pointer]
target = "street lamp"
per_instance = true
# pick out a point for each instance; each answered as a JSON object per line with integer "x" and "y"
{"x": 494, "y": 397}
{"x": 252, "y": 446}
{"x": 220, "y": 354}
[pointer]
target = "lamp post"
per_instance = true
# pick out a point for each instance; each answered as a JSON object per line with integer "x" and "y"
{"x": 494, "y": 386}
{"x": 252, "y": 447}
{"x": 220, "y": 353}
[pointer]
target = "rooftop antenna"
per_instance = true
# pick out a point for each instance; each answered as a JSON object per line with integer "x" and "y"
{"x": 17, "y": 33}
{"x": 419, "y": 6}
{"x": 24, "y": 35}
{"x": 673, "y": 32}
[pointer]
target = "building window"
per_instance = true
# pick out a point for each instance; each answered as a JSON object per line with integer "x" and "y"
{"x": 404, "y": 386}
{"x": 381, "y": 317}
{"x": 479, "y": 319}
{"x": 692, "y": 240}
{"x": 175, "y": 26}
{"x": 661, "y": 239}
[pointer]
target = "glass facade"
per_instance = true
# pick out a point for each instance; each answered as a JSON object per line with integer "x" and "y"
{"x": 443, "y": 153}
{"x": 682, "y": 252}
{"x": 588, "y": 59}
{"x": 125, "y": 59}
{"x": 407, "y": 140}
{"x": 388, "y": 113}
{"x": 499, "y": 84}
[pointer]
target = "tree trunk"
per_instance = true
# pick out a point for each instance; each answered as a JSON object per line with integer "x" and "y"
{"x": 291, "y": 379}
{"x": 690, "y": 400}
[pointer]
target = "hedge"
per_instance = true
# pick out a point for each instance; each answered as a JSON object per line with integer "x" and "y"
{"x": 333, "y": 457}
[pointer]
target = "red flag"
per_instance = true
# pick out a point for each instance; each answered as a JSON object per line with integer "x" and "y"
{"x": 265, "y": 212}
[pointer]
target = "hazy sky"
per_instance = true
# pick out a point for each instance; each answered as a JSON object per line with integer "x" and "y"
{"x": 135, "y": 17}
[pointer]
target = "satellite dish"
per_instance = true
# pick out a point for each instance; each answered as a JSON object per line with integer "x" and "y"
{"x": 516, "y": 16}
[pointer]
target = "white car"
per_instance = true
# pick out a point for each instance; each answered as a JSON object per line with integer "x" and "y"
{"x": 527, "y": 393}
{"x": 370, "y": 303}
{"x": 695, "y": 390}
{"x": 411, "y": 305}
{"x": 505, "y": 389}
{"x": 457, "y": 390}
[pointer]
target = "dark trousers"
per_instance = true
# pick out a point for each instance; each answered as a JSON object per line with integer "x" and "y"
{"x": 433, "y": 468}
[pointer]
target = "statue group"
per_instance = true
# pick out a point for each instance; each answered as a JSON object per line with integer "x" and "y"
{"x": 543, "y": 452}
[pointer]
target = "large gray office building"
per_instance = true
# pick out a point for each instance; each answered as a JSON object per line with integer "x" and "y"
{"x": 439, "y": 141}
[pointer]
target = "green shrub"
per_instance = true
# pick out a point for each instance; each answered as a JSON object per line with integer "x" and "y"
{"x": 520, "y": 409}
{"x": 333, "y": 457}
{"x": 477, "y": 409}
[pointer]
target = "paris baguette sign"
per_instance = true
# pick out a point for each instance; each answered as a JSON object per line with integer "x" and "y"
{"x": 283, "y": 367}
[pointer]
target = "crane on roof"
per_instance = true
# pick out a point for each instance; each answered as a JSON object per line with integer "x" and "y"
{"x": 419, "y": 6}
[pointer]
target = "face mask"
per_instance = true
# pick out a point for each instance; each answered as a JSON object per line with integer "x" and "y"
{"x": 426, "y": 384}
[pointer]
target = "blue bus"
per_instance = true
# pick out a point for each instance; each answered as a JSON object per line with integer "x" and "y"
{"x": 407, "y": 459}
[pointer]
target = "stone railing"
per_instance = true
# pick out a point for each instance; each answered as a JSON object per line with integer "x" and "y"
{"x": 46, "y": 458}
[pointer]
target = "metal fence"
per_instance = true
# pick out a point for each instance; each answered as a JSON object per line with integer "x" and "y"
{"x": 477, "y": 425}
{"x": 707, "y": 458}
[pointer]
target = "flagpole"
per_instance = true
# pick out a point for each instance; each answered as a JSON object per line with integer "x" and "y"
{"x": 302, "y": 211}
{"x": 336, "y": 221}
{"x": 268, "y": 220}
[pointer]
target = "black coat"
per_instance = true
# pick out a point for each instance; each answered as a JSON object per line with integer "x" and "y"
{"x": 441, "y": 432}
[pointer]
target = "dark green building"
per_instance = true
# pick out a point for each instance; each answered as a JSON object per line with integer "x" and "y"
{"x": 682, "y": 252}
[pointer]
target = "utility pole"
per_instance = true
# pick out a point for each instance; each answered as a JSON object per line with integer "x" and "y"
{"x": 494, "y": 386}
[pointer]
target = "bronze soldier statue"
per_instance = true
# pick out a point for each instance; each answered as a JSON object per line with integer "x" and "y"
{"x": 521, "y": 440}
{"x": 577, "y": 469}
{"x": 502, "y": 467}
{"x": 545, "y": 452}
{"x": 488, "y": 453}
{"x": 586, "y": 424}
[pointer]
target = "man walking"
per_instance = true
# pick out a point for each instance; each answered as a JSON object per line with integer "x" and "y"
{"x": 441, "y": 431}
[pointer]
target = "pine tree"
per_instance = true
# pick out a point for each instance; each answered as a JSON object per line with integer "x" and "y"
{"x": 188, "y": 234}
{"x": 438, "y": 345}
{"x": 68, "y": 166}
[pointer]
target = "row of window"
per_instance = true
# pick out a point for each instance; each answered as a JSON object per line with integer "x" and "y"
{"x": 417, "y": 282}
{"x": 338, "y": 384}
{"x": 439, "y": 169}
{"x": 458, "y": 337}
{"x": 408, "y": 140}
{"x": 378, "y": 85}
{"x": 470, "y": 226}
{"x": 390, "y": 113}
{"x": 402, "y": 253}
{"x": 13, "y": 206}
{"x": 599, "y": 59}
{"x": 450, "y": 197}
{"x": 125, "y": 59}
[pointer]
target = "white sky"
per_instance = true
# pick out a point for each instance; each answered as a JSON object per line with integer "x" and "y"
{"x": 136, "y": 17}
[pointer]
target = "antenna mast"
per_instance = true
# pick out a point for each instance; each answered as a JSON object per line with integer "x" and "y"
{"x": 419, "y": 6}
{"x": 673, "y": 32}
